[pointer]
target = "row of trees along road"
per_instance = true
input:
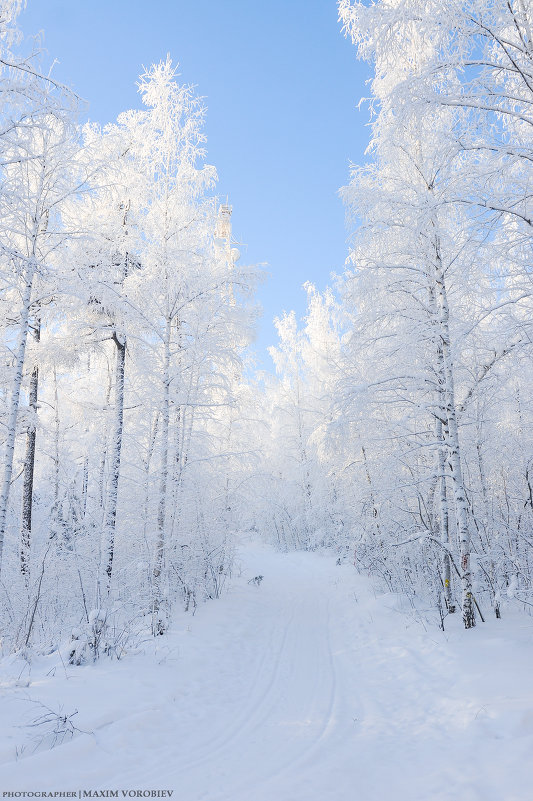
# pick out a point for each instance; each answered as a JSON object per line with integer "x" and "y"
{"x": 397, "y": 430}
{"x": 406, "y": 398}
{"x": 124, "y": 322}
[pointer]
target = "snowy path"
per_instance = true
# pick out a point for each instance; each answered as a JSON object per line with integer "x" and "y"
{"x": 307, "y": 688}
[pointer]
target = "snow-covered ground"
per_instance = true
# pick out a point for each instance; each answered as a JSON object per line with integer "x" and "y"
{"x": 309, "y": 687}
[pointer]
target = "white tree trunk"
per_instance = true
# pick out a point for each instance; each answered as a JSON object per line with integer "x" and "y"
{"x": 29, "y": 466}
{"x": 158, "y": 620}
{"x": 14, "y": 404}
{"x": 440, "y": 436}
{"x": 116, "y": 448}
{"x": 454, "y": 449}
{"x": 444, "y": 517}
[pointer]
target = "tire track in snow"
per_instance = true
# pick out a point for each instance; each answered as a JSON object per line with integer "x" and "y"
{"x": 252, "y": 714}
{"x": 311, "y": 750}
{"x": 218, "y": 746}
{"x": 294, "y": 693}
{"x": 312, "y": 708}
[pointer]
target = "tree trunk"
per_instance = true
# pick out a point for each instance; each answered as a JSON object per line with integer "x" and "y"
{"x": 147, "y": 463}
{"x": 57, "y": 517}
{"x": 158, "y": 621}
{"x": 29, "y": 467}
{"x": 84, "y": 487}
{"x": 444, "y": 518}
{"x": 454, "y": 448}
{"x": 14, "y": 405}
{"x": 116, "y": 447}
{"x": 488, "y": 527}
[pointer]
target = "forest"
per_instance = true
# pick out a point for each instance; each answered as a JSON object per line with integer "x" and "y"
{"x": 139, "y": 442}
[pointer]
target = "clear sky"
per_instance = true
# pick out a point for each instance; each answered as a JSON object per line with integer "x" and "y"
{"x": 281, "y": 84}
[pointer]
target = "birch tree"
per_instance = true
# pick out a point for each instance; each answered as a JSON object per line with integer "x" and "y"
{"x": 431, "y": 180}
{"x": 39, "y": 174}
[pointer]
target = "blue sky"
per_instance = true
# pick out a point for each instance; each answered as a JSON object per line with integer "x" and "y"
{"x": 281, "y": 84}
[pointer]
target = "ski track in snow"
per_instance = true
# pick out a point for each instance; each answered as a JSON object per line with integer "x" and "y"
{"x": 312, "y": 687}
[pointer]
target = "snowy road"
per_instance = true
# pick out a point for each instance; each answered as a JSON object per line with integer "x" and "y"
{"x": 309, "y": 687}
